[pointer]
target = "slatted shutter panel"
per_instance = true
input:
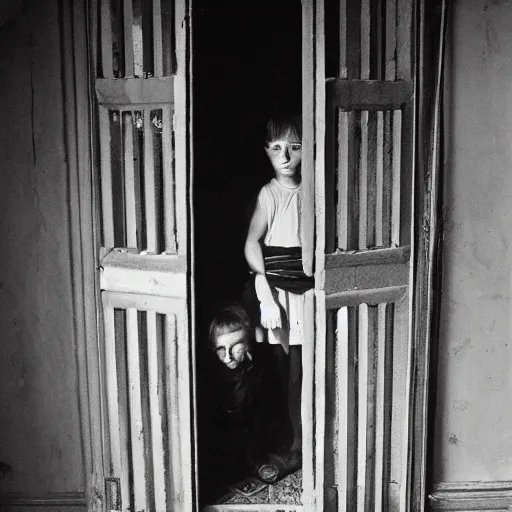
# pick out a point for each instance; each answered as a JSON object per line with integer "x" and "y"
{"x": 142, "y": 93}
{"x": 364, "y": 174}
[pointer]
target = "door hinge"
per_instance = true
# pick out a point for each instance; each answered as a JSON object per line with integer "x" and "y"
{"x": 113, "y": 494}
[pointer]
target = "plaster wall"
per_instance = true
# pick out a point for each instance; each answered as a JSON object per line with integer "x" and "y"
{"x": 39, "y": 414}
{"x": 473, "y": 427}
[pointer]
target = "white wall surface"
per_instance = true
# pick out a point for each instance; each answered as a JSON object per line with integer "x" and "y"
{"x": 473, "y": 432}
{"x": 39, "y": 412}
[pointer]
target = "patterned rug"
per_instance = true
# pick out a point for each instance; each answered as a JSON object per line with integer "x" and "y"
{"x": 285, "y": 492}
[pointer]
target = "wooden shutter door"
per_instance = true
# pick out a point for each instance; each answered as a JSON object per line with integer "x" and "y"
{"x": 364, "y": 130}
{"x": 143, "y": 95}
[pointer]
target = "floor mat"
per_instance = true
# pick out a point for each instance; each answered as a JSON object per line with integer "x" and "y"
{"x": 285, "y": 492}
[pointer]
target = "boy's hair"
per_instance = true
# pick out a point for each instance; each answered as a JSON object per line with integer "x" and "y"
{"x": 283, "y": 127}
{"x": 229, "y": 317}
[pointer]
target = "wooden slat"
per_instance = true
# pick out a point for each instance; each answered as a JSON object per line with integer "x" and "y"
{"x": 352, "y": 435}
{"x": 342, "y": 357}
{"x": 95, "y": 41}
{"x": 138, "y": 163}
{"x": 182, "y": 129}
{"x": 379, "y": 181}
{"x": 371, "y": 296}
{"x": 169, "y": 185}
{"x": 182, "y": 124}
{"x": 123, "y": 406}
{"x": 117, "y": 172}
{"x": 387, "y": 187}
{"x": 371, "y": 407}
{"x": 321, "y": 209}
{"x": 404, "y": 39}
{"x": 308, "y": 402}
{"x": 149, "y": 185}
{"x": 329, "y": 491}
{"x": 342, "y": 168}
{"x": 348, "y": 172}
{"x": 173, "y": 421}
{"x": 376, "y": 40}
{"x": 141, "y": 280}
{"x": 168, "y": 37}
{"x": 112, "y": 392}
{"x": 157, "y": 38}
{"x": 353, "y": 30}
{"x": 399, "y": 411}
{"x": 106, "y": 178}
{"x": 128, "y": 38}
{"x": 136, "y": 423}
{"x": 143, "y": 302}
{"x": 365, "y": 40}
{"x": 132, "y": 260}
{"x": 138, "y": 43}
{"x": 134, "y": 91}
{"x": 324, "y": 154}
{"x": 363, "y": 182}
{"x": 371, "y": 180}
{"x": 390, "y": 71}
{"x": 367, "y": 277}
{"x": 379, "y": 406}
{"x": 397, "y": 223}
{"x": 407, "y": 169}
{"x": 129, "y": 181}
{"x": 185, "y": 408}
{"x": 374, "y": 257}
{"x": 327, "y": 194}
{"x": 322, "y": 338}
{"x": 307, "y": 225}
{"x": 388, "y": 403}
{"x": 368, "y": 94}
{"x": 156, "y": 393}
{"x": 362, "y": 400}
{"x": 343, "y": 69}
{"x": 106, "y": 41}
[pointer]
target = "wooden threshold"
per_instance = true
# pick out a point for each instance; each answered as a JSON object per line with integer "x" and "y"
{"x": 253, "y": 508}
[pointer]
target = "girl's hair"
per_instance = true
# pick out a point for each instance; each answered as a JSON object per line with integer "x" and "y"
{"x": 229, "y": 317}
{"x": 279, "y": 128}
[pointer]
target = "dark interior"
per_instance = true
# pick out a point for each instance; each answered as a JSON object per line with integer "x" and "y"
{"x": 246, "y": 67}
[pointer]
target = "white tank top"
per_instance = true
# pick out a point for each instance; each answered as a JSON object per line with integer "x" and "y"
{"x": 281, "y": 206}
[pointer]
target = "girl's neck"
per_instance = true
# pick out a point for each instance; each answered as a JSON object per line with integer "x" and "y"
{"x": 288, "y": 181}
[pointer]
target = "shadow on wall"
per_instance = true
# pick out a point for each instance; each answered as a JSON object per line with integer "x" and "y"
{"x": 9, "y": 9}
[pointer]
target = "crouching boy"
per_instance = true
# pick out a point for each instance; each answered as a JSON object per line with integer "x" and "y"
{"x": 248, "y": 422}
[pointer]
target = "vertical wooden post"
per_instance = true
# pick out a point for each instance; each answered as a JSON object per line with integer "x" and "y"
{"x": 106, "y": 41}
{"x": 136, "y": 424}
{"x": 156, "y": 394}
{"x": 149, "y": 184}
{"x": 128, "y": 38}
{"x": 308, "y": 138}
{"x": 362, "y": 392}
{"x": 129, "y": 181}
{"x": 106, "y": 177}
{"x": 342, "y": 341}
{"x": 157, "y": 38}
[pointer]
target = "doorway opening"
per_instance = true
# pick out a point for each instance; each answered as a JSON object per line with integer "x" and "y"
{"x": 247, "y": 67}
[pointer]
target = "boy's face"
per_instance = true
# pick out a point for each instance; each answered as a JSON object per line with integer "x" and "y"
{"x": 232, "y": 347}
{"x": 285, "y": 156}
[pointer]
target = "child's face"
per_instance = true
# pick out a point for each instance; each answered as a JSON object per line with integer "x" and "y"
{"x": 285, "y": 156}
{"x": 231, "y": 347}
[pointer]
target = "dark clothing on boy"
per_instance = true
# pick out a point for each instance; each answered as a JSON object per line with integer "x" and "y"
{"x": 248, "y": 419}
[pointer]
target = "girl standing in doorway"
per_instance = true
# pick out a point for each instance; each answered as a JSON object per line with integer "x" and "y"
{"x": 280, "y": 287}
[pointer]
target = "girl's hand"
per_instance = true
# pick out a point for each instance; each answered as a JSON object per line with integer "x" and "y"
{"x": 270, "y": 314}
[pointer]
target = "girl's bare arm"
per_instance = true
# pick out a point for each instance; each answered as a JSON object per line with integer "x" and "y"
{"x": 270, "y": 313}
